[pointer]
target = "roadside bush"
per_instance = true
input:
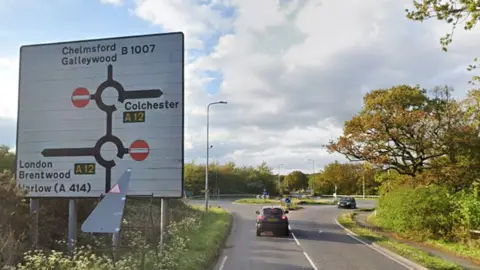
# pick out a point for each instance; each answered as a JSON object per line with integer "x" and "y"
{"x": 14, "y": 220}
{"x": 466, "y": 214}
{"x": 424, "y": 212}
{"x": 142, "y": 255}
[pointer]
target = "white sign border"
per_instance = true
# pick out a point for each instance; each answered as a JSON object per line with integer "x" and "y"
{"x": 182, "y": 191}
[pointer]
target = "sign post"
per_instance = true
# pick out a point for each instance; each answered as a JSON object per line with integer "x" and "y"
{"x": 89, "y": 110}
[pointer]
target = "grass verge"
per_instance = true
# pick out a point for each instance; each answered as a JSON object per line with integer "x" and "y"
{"x": 314, "y": 202}
{"x": 205, "y": 243}
{"x": 409, "y": 252}
{"x": 257, "y": 201}
{"x": 192, "y": 243}
{"x": 459, "y": 249}
{"x": 293, "y": 206}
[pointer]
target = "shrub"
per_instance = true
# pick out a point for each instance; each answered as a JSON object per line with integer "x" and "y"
{"x": 424, "y": 212}
{"x": 466, "y": 214}
{"x": 142, "y": 256}
{"x": 14, "y": 221}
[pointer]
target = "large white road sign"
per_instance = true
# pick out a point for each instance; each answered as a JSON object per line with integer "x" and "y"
{"x": 89, "y": 110}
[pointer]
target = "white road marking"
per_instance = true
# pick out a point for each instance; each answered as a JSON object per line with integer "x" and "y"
{"x": 310, "y": 261}
{"x": 350, "y": 233}
{"x": 222, "y": 265}
{"x": 319, "y": 231}
{"x": 295, "y": 238}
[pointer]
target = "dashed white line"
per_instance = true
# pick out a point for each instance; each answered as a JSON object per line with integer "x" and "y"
{"x": 304, "y": 253}
{"x": 310, "y": 261}
{"x": 222, "y": 265}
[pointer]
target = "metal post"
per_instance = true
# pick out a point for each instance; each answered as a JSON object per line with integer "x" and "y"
{"x": 116, "y": 245}
{"x": 34, "y": 212}
{"x": 72, "y": 225}
{"x": 279, "y": 187}
{"x": 216, "y": 180}
{"x": 208, "y": 150}
{"x": 313, "y": 175}
{"x": 163, "y": 219}
{"x": 364, "y": 184}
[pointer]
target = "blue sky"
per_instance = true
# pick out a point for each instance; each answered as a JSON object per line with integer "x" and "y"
{"x": 282, "y": 75}
{"x": 36, "y": 22}
{"x": 31, "y": 22}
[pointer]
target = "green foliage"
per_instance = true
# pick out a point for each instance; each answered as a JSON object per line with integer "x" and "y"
{"x": 7, "y": 159}
{"x": 429, "y": 213}
{"x": 467, "y": 213}
{"x": 192, "y": 244}
{"x": 417, "y": 255}
{"x": 296, "y": 180}
{"x": 14, "y": 220}
{"x": 230, "y": 179}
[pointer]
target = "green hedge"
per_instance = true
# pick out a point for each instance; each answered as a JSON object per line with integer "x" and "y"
{"x": 429, "y": 212}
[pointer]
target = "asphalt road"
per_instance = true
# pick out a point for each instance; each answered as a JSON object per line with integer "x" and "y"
{"x": 316, "y": 242}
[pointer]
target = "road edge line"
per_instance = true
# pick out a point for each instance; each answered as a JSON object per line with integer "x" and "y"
{"x": 222, "y": 264}
{"x": 221, "y": 250}
{"x": 310, "y": 261}
{"x": 385, "y": 252}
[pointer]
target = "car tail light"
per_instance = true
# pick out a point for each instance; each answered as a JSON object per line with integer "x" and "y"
{"x": 259, "y": 217}
{"x": 284, "y": 217}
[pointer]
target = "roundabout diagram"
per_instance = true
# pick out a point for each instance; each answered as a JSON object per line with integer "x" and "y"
{"x": 138, "y": 150}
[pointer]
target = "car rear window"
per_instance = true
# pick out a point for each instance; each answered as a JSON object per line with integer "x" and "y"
{"x": 272, "y": 212}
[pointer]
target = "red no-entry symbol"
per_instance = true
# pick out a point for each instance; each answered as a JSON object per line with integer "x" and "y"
{"x": 80, "y": 97}
{"x": 139, "y": 150}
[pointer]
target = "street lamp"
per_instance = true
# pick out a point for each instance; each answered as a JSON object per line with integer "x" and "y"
{"x": 208, "y": 149}
{"x": 313, "y": 175}
{"x": 217, "y": 190}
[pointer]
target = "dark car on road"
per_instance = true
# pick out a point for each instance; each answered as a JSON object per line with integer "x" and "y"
{"x": 272, "y": 219}
{"x": 347, "y": 202}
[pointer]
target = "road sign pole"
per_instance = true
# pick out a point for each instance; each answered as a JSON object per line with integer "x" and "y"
{"x": 72, "y": 225}
{"x": 115, "y": 244}
{"x": 163, "y": 219}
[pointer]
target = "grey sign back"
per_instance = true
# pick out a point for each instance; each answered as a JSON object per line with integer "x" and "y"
{"x": 107, "y": 216}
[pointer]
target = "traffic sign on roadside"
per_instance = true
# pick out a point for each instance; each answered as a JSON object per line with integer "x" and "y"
{"x": 90, "y": 109}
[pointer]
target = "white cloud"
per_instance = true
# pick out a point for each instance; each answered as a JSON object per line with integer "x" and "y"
{"x": 293, "y": 72}
{"x": 194, "y": 18}
{"x": 9, "y": 89}
{"x": 112, "y": 2}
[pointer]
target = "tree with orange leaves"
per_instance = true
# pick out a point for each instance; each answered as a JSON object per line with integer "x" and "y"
{"x": 400, "y": 128}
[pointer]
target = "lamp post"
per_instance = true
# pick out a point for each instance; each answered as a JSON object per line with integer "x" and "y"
{"x": 313, "y": 175}
{"x": 208, "y": 149}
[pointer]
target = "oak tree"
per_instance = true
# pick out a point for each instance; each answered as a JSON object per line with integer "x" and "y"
{"x": 399, "y": 128}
